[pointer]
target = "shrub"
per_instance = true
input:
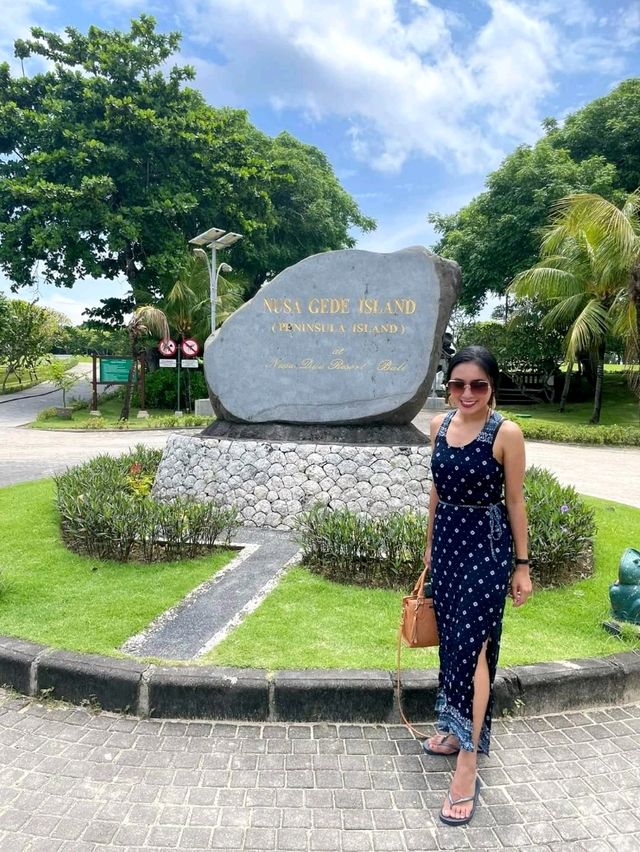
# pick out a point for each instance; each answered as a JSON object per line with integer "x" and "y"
{"x": 107, "y": 511}
{"x": 561, "y": 530}
{"x": 349, "y": 547}
{"x": 160, "y": 388}
{"x": 353, "y": 548}
{"x": 567, "y": 433}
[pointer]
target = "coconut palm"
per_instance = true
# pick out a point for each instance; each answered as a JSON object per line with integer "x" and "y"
{"x": 584, "y": 298}
{"x": 188, "y": 306}
{"x": 618, "y": 256}
{"x": 146, "y": 320}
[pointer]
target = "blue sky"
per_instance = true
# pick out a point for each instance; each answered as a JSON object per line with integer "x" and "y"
{"x": 414, "y": 102}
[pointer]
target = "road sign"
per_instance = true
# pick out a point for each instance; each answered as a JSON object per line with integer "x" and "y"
{"x": 114, "y": 371}
{"x": 167, "y": 347}
{"x": 190, "y": 347}
{"x": 167, "y": 362}
{"x": 190, "y": 363}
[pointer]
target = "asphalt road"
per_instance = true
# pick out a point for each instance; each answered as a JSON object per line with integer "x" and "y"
{"x": 25, "y": 454}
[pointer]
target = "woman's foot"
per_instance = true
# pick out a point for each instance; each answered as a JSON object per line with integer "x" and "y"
{"x": 442, "y": 744}
{"x": 460, "y": 801}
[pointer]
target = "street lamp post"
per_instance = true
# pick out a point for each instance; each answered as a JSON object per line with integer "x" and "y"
{"x": 214, "y": 238}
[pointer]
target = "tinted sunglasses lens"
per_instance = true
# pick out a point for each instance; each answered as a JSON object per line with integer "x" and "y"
{"x": 477, "y": 386}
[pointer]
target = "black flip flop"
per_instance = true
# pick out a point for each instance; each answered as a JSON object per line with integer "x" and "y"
{"x": 445, "y": 737}
{"x": 447, "y": 820}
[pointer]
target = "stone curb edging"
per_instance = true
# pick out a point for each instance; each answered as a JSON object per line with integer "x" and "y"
{"x": 331, "y": 695}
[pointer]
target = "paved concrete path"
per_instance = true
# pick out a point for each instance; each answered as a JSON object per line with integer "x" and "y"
{"x": 78, "y": 781}
{"x": 207, "y": 614}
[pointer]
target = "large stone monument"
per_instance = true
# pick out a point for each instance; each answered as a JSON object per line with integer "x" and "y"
{"x": 315, "y": 382}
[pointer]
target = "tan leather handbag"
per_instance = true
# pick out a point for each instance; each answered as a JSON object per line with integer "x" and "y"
{"x": 418, "y": 629}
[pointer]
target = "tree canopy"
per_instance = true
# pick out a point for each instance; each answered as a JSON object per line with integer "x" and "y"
{"x": 109, "y": 164}
{"x": 497, "y": 235}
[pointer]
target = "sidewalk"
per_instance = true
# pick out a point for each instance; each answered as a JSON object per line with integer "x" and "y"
{"x": 79, "y": 781}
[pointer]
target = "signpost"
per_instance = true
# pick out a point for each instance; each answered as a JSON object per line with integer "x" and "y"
{"x": 114, "y": 371}
{"x": 110, "y": 371}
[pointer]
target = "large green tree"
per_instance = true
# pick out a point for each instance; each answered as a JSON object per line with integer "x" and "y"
{"x": 596, "y": 150}
{"x": 498, "y": 233}
{"x": 109, "y": 163}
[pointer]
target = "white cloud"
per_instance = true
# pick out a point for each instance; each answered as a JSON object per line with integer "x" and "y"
{"x": 85, "y": 294}
{"x": 409, "y": 79}
{"x": 18, "y": 16}
{"x": 403, "y": 83}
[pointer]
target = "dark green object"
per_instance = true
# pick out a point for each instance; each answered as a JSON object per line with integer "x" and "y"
{"x": 114, "y": 371}
{"x": 625, "y": 592}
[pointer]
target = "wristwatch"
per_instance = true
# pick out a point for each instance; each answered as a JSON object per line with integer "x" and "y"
{"x": 522, "y": 561}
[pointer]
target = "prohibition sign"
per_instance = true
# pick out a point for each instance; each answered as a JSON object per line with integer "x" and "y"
{"x": 190, "y": 347}
{"x": 167, "y": 347}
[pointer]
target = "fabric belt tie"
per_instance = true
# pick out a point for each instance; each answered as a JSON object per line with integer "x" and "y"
{"x": 495, "y": 519}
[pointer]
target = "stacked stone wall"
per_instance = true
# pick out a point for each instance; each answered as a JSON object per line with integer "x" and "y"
{"x": 270, "y": 483}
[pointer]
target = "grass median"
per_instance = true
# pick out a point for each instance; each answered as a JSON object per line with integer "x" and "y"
{"x": 52, "y": 596}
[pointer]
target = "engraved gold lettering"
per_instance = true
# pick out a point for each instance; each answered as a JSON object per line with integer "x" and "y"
{"x": 282, "y": 306}
{"x": 391, "y": 367}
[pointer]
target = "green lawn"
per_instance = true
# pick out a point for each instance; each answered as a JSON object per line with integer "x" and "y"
{"x": 619, "y": 406}
{"x": 53, "y": 596}
{"x": 309, "y": 622}
{"x": 110, "y": 412}
{"x": 50, "y": 595}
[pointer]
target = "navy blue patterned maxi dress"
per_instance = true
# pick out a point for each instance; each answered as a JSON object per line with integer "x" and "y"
{"x": 471, "y": 560}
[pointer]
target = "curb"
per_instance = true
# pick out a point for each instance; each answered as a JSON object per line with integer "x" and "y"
{"x": 312, "y": 695}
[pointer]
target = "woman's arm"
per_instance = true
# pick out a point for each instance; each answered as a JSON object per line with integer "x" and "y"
{"x": 511, "y": 448}
{"x": 433, "y": 495}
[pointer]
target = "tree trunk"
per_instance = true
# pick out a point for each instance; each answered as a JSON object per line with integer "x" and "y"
{"x": 126, "y": 402}
{"x": 597, "y": 399}
{"x": 567, "y": 384}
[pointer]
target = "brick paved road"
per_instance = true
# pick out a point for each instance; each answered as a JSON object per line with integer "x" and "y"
{"x": 73, "y": 780}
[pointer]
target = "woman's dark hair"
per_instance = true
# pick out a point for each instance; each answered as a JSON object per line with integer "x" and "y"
{"x": 483, "y": 358}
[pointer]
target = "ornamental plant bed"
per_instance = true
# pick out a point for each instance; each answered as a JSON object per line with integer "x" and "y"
{"x": 107, "y": 511}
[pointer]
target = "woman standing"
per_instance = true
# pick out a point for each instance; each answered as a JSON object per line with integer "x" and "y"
{"x": 477, "y": 523}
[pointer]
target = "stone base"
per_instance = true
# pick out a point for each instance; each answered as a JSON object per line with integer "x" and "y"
{"x": 271, "y": 483}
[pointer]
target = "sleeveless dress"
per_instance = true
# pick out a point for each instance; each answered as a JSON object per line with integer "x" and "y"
{"x": 471, "y": 561}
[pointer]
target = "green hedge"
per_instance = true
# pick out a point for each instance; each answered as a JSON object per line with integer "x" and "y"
{"x": 565, "y": 433}
{"x": 160, "y": 388}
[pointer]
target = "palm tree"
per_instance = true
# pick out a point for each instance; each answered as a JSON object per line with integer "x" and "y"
{"x": 618, "y": 258}
{"x": 188, "y": 302}
{"x": 583, "y": 295}
{"x": 145, "y": 320}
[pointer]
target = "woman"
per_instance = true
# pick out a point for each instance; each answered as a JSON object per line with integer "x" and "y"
{"x": 473, "y": 538}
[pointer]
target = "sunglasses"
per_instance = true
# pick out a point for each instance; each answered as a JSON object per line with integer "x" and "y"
{"x": 476, "y": 386}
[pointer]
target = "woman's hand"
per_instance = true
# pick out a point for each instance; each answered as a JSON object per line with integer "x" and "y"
{"x": 427, "y": 557}
{"x": 521, "y": 588}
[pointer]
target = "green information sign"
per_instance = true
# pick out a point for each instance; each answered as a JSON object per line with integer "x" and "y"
{"x": 114, "y": 371}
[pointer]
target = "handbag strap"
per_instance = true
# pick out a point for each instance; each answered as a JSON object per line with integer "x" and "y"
{"x": 418, "y": 589}
{"x": 420, "y": 734}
